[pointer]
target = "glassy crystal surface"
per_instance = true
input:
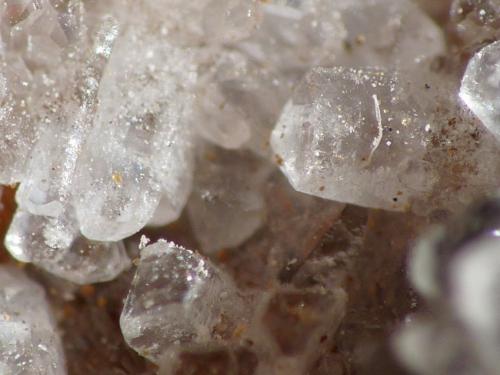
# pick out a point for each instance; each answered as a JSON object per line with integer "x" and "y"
{"x": 178, "y": 296}
{"x": 123, "y": 122}
{"x": 404, "y": 36}
{"x": 29, "y": 342}
{"x": 227, "y": 205}
{"x": 481, "y": 84}
{"x": 50, "y": 173}
{"x": 355, "y": 136}
{"x": 140, "y": 147}
{"x": 56, "y": 245}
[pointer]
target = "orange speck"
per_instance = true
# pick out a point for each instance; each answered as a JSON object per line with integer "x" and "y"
{"x": 102, "y": 302}
{"x": 117, "y": 178}
{"x": 87, "y": 290}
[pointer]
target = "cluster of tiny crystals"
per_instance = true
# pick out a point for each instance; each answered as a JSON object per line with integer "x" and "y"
{"x": 249, "y": 187}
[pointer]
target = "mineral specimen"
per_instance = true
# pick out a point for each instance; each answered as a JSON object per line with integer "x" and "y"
{"x": 355, "y": 136}
{"x": 481, "y": 85}
{"x": 177, "y": 297}
{"x": 29, "y": 342}
{"x": 298, "y": 147}
{"x": 227, "y": 205}
{"x": 56, "y": 245}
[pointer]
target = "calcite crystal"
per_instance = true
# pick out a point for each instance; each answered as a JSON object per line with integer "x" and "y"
{"x": 177, "y": 296}
{"x": 227, "y": 205}
{"x": 355, "y": 136}
{"x": 481, "y": 85}
{"x": 58, "y": 247}
{"x": 232, "y": 186}
{"x": 406, "y": 36}
{"x": 29, "y": 342}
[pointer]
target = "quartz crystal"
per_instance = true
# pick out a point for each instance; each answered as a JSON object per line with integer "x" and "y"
{"x": 178, "y": 296}
{"x": 481, "y": 85}
{"x": 47, "y": 188}
{"x": 356, "y": 136}
{"x": 56, "y": 245}
{"x": 227, "y": 206}
{"x": 405, "y": 35}
{"x": 298, "y": 147}
{"x": 140, "y": 147}
{"x": 29, "y": 342}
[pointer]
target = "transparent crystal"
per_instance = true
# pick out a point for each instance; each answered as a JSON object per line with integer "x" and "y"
{"x": 455, "y": 268}
{"x": 55, "y": 244}
{"x": 178, "y": 296}
{"x": 355, "y": 136}
{"x": 215, "y": 117}
{"x": 29, "y": 342}
{"x": 227, "y": 205}
{"x": 140, "y": 148}
{"x": 481, "y": 86}
{"x": 387, "y": 33}
{"x": 50, "y": 172}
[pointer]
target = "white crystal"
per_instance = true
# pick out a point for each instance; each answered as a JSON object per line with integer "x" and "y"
{"x": 227, "y": 205}
{"x": 56, "y": 245}
{"x": 29, "y": 342}
{"x": 177, "y": 296}
{"x": 474, "y": 281}
{"x": 230, "y": 20}
{"x": 481, "y": 86}
{"x": 295, "y": 34}
{"x": 203, "y": 21}
{"x": 140, "y": 148}
{"x": 356, "y": 136}
{"x": 50, "y": 172}
{"x": 215, "y": 117}
{"x": 387, "y": 33}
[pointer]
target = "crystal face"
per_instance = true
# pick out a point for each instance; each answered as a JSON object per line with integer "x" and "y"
{"x": 29, "y": 343}
{"x": 249, "y": 187}
{"x": 177, "y": 296}
{"x": 353, "y": 135}
{"x": 481, "y": 84}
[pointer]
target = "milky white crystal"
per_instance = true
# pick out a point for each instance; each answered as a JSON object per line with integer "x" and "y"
{"x": 481, "y": 86}
{"x": 177, "y": 296}
{"x": 355, "y": 136}
{"x": 29, "y": 342}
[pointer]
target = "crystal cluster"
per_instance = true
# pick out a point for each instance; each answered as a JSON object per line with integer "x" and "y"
{"x": 232, "y": 186}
